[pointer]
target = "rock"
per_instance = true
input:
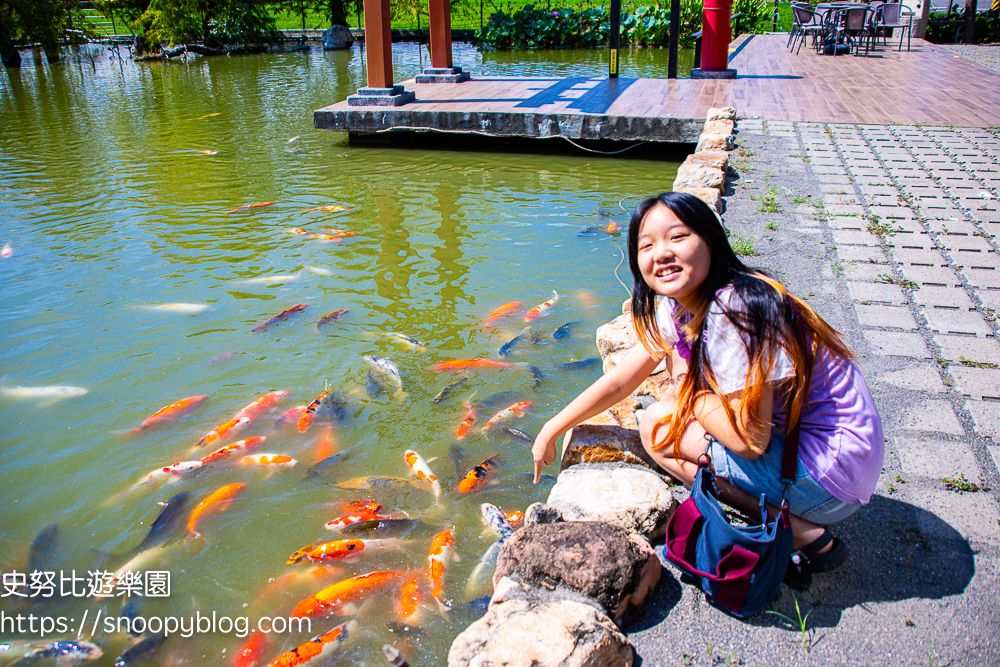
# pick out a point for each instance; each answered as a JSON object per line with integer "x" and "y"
{"x": 616, "y": 335}
{"x": 700, "y": 176}
{"x": 719, "y": 126}
{"x": 633, "y": 498}
{"x": 559, "y": 633}
{"x": 541, "y": 513}
{"x": 728, "y": 113}
{"x": 604, "y": 562}
{"x": 624, "y": 413}
{"x": 337, "y": 37}
{"x": 627, "y": 307}
{"x": 590, "y": 435}
{"x": 715, "y": 141}
{"x": 710, "y": 196}
{"x": 710, "y": 158}
{"x": 656, "y": 385}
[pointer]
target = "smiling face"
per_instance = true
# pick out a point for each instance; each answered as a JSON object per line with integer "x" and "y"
{"x": 673, "y": 260}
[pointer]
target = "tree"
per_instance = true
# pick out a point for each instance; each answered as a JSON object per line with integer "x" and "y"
{"x": 42, "y": 21}
{"x": 213, "y": 22}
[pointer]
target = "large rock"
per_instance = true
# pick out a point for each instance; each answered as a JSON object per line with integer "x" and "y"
{"x": 656, "y": 385}
{"x": 710, "y": 196}
{"x": 722, "y": 113}
{"x": 601, "y": 443}
{"x": 557, "y": 633}
{"x": 630, "y": 497}
{"x": 700, "y": 176}
{"x": 616, "y": 335}
{"x": 719, "y": 126}
{"x": 715, "y": 141}
{"x": 337, "y": 37}
{"x": 604, "y": 562}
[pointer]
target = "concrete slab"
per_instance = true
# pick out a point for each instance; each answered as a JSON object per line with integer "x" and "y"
{"x": 932, "y": 415}
{"x": 889, "y": 317}
{"x": 897, "y": 344}
{"x": 978, "y": 350}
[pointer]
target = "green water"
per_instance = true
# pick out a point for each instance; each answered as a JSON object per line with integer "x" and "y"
{"x": 111, "y": 209}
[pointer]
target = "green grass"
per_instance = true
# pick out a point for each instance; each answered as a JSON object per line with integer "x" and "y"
{"x": 742, "y": 246}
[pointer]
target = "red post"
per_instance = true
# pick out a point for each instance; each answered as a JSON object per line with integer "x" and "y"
{"x": 439, "y": 12}
{"x": 378, "y": 43}
{"x": 716, "y": 35}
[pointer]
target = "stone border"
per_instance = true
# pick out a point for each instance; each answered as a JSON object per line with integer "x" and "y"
{"x": 703, "y": 173}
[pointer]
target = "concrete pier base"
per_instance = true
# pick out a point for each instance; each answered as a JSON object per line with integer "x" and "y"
{"x": 381, "y": 97}
{"x": 442, "y": 75}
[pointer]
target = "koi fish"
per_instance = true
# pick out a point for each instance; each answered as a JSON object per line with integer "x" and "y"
{"x": 408, "y": 341}
{"x": 467, "y": 421}
{"x": 247, "y": 207}
{"x": 356, "y": 510}
{"x": 502, "y": 311}
{"x": 319, "y": 271}
{"x": 209, "y": 115}
{"x": 280, "y": 317}
{"x": 332, "y": 317}
{"x": 394, "y": 657}
{"x": 172, "y": 472}
{"x": 526, "y": 336}
{"x": 317, "y": 651}
{"x": 409, "y": 604}
{"x": 269, "y": 460}
{"x": 423, "y": 471}
{"x": 580, "y": 365}
{"x": 326, "y": 446}
{"x": 45, "y": 395}
{"x": 342, "y": 549}
{"x": 515, "y": 433}
{"x": 7, "y": 251}
{"x": 218, "y": 500}
{"x": 339, "y": 232}
{"x": 542, "y": 308}
{"x": 385, "y": 375}
{"x": 140, "y": 650}
{"x": 145, "y": 560}
{"x": 289, "y": 416}
{"x": 373, "y": 529}
{"x": 327, "y": 208}
{"x": 563, "y": 331}
{"x": 261, "y": 405}
{"x": 462, "y": 364}
{"x": 516, "y": 410}
{"x": 496, "y": 520}
{"x": 224, "y": 430}
{"x": 171, "y": 412}
{"x": 230, "y": 449}
{"x": 442, "y": 550}
{"x": 309, "y": 414}
{"x": 185, "y": 308}
{"x": 331, "y": 599}
{"x": 446, "y": 392}
{"x": 327, "y": 237}
{"x": 208, "y": 152}
{"x": 515, "y": 518}
{"x": 252, "y": 651}
{"x": 62, "y": 653}
{"x": 475, "y": 478}
{"x": 222, "y": 356}
{"x": 266, "y": 280}
{"x": 385, "y": 484}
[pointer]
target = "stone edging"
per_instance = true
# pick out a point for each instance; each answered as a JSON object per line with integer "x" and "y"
{"x": 703, "y": 173}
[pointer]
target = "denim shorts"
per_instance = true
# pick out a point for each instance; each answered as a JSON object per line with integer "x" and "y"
{"x": 806, "y": 498}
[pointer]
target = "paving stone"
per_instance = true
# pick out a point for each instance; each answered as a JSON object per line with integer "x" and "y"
{"x": 982, "y": 350}
{"x": 864, "y": 254}
{"x": 837, "y": 198}
{"x": 957, "y": 228}
{"x": 973, "y": 515}
{"x": 855, "y": 238}
{"x": 986, "y": 261}
{"x": 840, "y": 179}
{"x": 982, "y": 278}
{"x": 985, "y": 216}
{"x": 836, "y": 188}
{"x": 922, "y": 257}
{"x": 866, "y": 273}
{"x": 928, "y": 275}
{"x": 845, "y": 209}
{"x": 932, "y": 458}
{"x": 956, "y": 321}
{"x": 880, "y": 201}
{"x": 951, "y": 297}
{"x": 904, "y": 241}
{"x": 964, "y": 243}
{"x": 878, "y": 292}
{"x": 893, "y": 317}
{"x": 824, "y": 172}
{"x": 847, "y": 222}
{"x": 897, "y": 344}
{"x": 881, "y": 189}
{"x": 932, "y": 415}
{"x": 903, "y": 225}
{"x": 923, "y": 377}
{"x": 977, "y": 383}
{"x": 986, "y": 420}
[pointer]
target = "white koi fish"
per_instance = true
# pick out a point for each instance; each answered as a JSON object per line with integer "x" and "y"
{"x": 44, "y": 395}
{"x": 542, "y": 308}
{"x": 423, "y": 471}
{"x": 183, "y": 308}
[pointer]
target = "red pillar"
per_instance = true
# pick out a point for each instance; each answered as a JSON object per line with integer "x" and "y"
{"x": 378, "y": 43}
{"x": 715, "y": 36}
{"x": 439, "y": 12}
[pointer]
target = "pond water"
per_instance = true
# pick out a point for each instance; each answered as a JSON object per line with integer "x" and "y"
{"x": 125, "y": 274}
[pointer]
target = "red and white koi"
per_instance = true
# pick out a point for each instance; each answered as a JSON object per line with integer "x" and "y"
{"x": 355, "y": 512}
{"x": 542, "y": 308}
{"x": 441, "y": 552}
{"x": 261, "y": 405}
{"x": 467, "y": 421}
{"x": 475, "y": 478}
{"x": 280, "y": 317}
{"x": 331, "y": 317}
{"x": 247, "y": 207}
{"x": 290, "y": 417}
{"x": 339, "y": 550}
{"x": 225, "y": 452}
{"x": 327, "y": 208}
{"x": 171, "y": 412}
{"x": 502, "y": 311}
{"x": 309, "y": 414}
{"x": 339, "y": 232}
{"x": 171, "y": 473}
{"x": 423, "y": 471}
{"x": 224, "y": 430}
{"x": 280, "y": 461}
{"x": 317, "y": 651}
{"x": 516, "y": 410}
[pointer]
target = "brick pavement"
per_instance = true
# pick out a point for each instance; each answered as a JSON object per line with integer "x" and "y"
{"x": 987, "y": 55}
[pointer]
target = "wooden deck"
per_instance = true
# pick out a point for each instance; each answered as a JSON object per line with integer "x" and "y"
{"x": 927, "y": 85}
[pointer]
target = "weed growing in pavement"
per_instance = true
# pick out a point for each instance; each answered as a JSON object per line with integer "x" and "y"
{"x": 977, "y": 364}
{"x": 805, "y": 158}
{"x": 838, "y": 269}
{"x": 798, "y": 623}
{"x": 991, "y": 315}
{"x": 878, "y": 228}
{"x": 982, "y": 234}
{"x": 769, "y": 201}
{"x": 772, "y": 225}
{"x": 893, "y": 280}
{"x": 799, "y": 199}
{"x": 961, "y": 485}
{"x": 910, "y": 624}
{"x": 743, "y": 246}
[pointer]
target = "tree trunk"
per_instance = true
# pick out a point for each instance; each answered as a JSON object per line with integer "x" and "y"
{"x": 338, "y": 13}
{"x": 8, "y": 52}
{"x": 970, "y": 21}
{"x": 925, "y": 12}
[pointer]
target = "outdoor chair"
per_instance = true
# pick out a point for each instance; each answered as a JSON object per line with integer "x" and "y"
{"x": 894, "y": 15}
{"x": 805, "y": 22}
{"x": 853, "y": 25}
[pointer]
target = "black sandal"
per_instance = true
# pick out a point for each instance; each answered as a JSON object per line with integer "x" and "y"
{"x": 808, "y": 560}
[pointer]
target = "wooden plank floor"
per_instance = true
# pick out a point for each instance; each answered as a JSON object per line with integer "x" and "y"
{"x": 926, "y": 84}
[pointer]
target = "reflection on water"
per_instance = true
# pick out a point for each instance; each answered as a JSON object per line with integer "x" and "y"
{"x": 127, "y": 278}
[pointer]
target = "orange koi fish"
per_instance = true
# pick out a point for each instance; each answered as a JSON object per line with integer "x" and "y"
{"x": 516, "y": 410}
{"x": 612, "y": 228}
{"x": 299, "y": 230}
{"x": 331, "y": 599}
{"x": 467, "y": 421}
{"x": 423, "y": 471}
{"x": 247, "y": 207}
{"x": 327, "y": 208}
{"x": 317, "y": 651}
{"x": 332, "y": 317}
{"x": 514, "y": 518}
{"x": 357, "y": 511}
{"x": 252, "y": 652}
{"x": 225, "y": 452}
{"x": 502, "y": 311}
{"x": 339, "y": 232}
{"x": 209, "y": 115}
{"x": 171, "y": 412}
{"x": 306, "y": 419}
{"x": 172, "y": 472}
{"x": 269, "y": 461}
{"x": 409, "y": 604}
{"x": 280, "y": 317}
{"x": 289, "y": 416}
{"x": 542, "y": 308}
{"x": 224, "y": 430}
{"x": 261, "y": 405}
{"x": 326, "y": 446}
{"x": 217, "y": 501}
{"x": 342, "y": 550}
{"x": 442, "y": 550}
{"x": 475, "y": 478}
{"x": 462, "y": 364}
{"x": 327, "y": 237}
